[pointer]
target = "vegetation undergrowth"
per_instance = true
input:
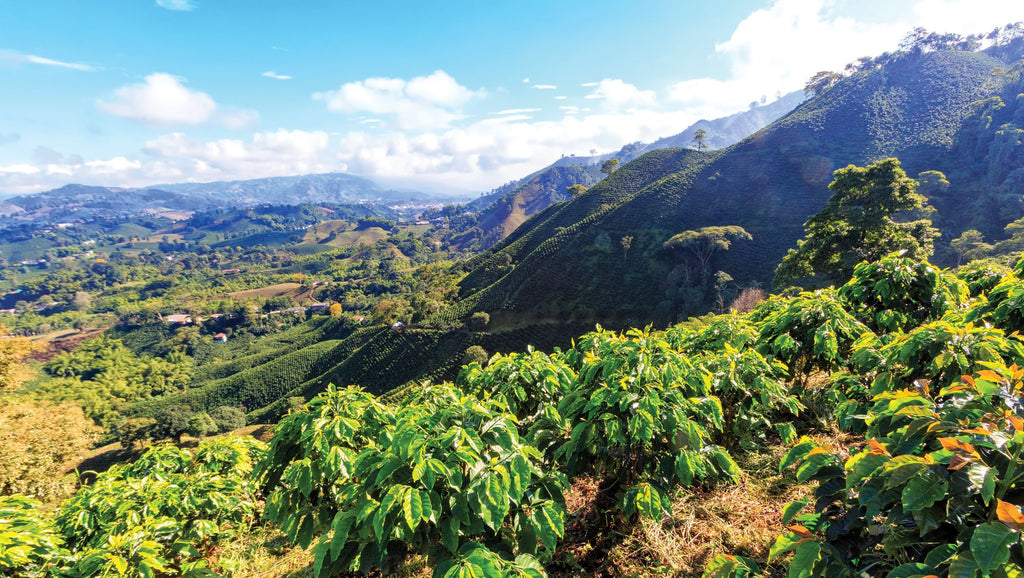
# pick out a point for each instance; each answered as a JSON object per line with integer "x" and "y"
{"x": 873, "y": 428}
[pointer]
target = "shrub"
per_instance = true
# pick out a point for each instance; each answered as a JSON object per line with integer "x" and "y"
{"x": 444, "y": 475}
{"x": 39, "y": 440}
{"x": 475, "y": 355}
{"x": 479, "y": 321}
{"x": 158, "y": 514}
{"x": 228, "y": 418}
{"x": 925, "y": 495}
{"x": 28, "y": 544}
{"x": 897, "y": 293}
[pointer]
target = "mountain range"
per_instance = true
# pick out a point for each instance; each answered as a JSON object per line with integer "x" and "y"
{"x": 506, "y": 208}
{"x": 87, "y": 202}
{"x": 600, "y": 257}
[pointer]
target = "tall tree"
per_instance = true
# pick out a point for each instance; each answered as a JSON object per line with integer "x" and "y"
{"x": 703, "y": 243}
{"x": 575, "y": 190}
{"x": 860, "y": 222}
{"x": 609, "y": 166}
{"x": 821, "y": 81}
{"x": 626, "y": 242}
{"x": 970, "y": 245}
{"x": 698, "y": 137}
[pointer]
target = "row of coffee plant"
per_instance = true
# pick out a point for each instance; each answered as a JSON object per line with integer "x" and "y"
{"x": 472, "y": 476}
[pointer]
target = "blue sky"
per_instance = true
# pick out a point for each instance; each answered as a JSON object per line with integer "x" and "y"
{"x": 453, "y": 95}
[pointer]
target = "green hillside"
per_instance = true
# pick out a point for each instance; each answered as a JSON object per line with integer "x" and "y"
{"x": 921, "y": 107}
{"x": 541, "y": 191}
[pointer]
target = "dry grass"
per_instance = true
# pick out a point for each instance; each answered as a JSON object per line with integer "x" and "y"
{"x": 295, "y": 291}
{"x": 741, "y": 519}
{"x": 265, "y": 553}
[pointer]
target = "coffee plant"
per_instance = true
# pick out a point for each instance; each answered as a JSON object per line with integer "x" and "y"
{"x": 897, "y": 293}
{"x": 812, "y": 331}
{"x": 933, "y": 491}
{"x": 445, "y": 475}
{"x": 160, "y": 514}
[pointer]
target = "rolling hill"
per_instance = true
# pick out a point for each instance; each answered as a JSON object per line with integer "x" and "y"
{"x": 952, "y": 111}
{"x": 81, "y": 202}
{"x": 509, "y": 206}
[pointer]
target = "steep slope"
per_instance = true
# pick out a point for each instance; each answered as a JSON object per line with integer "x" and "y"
{"x": 727, "y": 131}
{"x": 510, "y": 205}
{"x": 541, "y": 191}
{"x": 569, "y": 259}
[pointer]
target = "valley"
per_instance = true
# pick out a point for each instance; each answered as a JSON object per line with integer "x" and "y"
{"x": 781, "y": 342}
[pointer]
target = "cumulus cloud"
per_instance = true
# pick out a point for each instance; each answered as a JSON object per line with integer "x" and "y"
{"x": 276, "y": 76}
{"x": 616, "y": 94}
{"x": 517, "y": 111}
{"x": 967, "y": 16}
{"x": 19, "y": 169}
{"x": 180, "y": 5}
{"x": 15, "y": 57}
{"x": 163, "y": 100}
{"x": 545, "y": 86}
{"x": 417, "y": 130}
{"x": 422, "y": 103}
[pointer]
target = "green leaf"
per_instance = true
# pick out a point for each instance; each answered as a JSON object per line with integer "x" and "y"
{"x": 685, "y": 467}
{"x": 305, "y": 479}
{"x": 784, "y": 543}
{"x": 911, "y": 570}
{"x": 812, "y": 464}
{"x": 794, "y": 508}
{"x": 646, "y": 500}
{"x": 786, "y": 431}
{"x": 990, "y": 545}
{"x": 450, "y": 533}
{"x": 726, "y": 566}
{"x": 924, "y": 490}
{"x": 860, "y": 466}
{"x": 940, "y": 554}
{"x": 341, "y": 527}
{"x": 963, "y": 566}
{"x": 412, "y": 508}
{"x": 549, "y": 524}
{"x": 797, "y": 453}
{"x": 805, "y": 557}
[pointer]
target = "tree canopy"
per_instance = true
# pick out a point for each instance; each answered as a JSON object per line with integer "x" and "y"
{"x": 859, "y": 222}
{"x": 698, "y": 137}
{"x": 705, "y": 242}
{"x": 608, "y": 167}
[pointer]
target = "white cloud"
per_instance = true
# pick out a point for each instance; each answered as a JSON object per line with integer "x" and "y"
{"x": 421, "y": 103}
{"x": 517, "y": 111}
{"x": 19, "y": 169}
{"x": 113, "y": 166}
{"x": 162, "y": 100}
{"x": 616, "y": 94}
{"x": 276, "y": 76}
{"x": 14, "y": 57}
{"x": 181, "y": 5}
{"x": 410, "y": 133}
{"x": 967, "y": 16}
{"x": 545, "y": 86}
